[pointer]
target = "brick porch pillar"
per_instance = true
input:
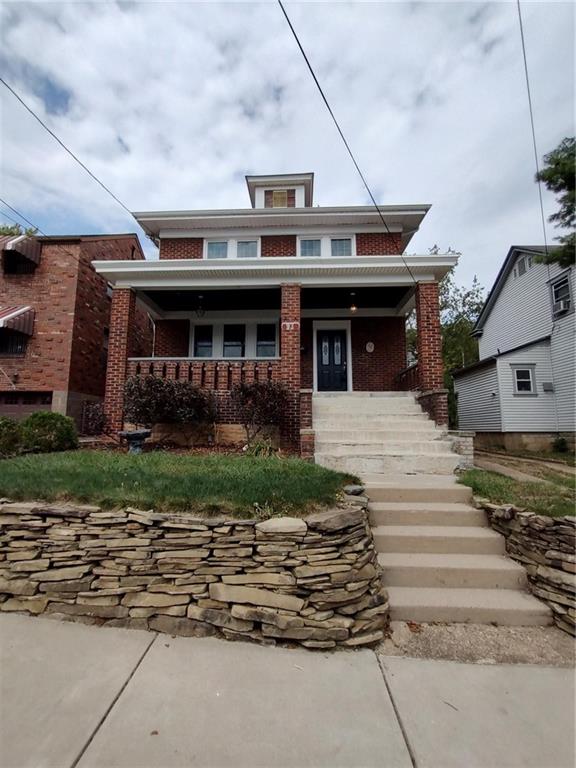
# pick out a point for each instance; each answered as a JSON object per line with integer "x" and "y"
{"x": 290, "y": 363}
{"x": 434, "y": 397}
{"x": 121, "y": 326}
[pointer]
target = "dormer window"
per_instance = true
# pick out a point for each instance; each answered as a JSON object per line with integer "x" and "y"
{"x": 279, "y": 198}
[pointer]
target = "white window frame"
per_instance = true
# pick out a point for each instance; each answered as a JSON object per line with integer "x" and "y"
{"x": 249, "y": 339}
{"x": 531, "y": 368}
{"x": 326, "y": 325}
{"x": 564, "y": 277}
{"x": 326, "y": 244}
{"x": 232, "y": 247}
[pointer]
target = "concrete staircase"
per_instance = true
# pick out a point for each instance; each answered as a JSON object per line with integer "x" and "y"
{"x": 382, "y": 432}
{"x": 441, "y": 560}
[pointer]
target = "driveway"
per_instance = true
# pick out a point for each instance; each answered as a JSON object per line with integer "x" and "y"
{"x": 75, "y": 695}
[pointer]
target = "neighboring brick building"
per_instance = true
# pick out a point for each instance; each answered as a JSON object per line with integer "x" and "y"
{"x": 314, "y": 297}
{"x": 55, "y": 321}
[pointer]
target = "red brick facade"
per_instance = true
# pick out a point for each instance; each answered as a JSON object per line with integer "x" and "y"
{"x": 430, "y": 366}
{"x": 66, "y": 354}
{"x": 278, "y": 245}
{"x": 172, "y": 338}
{"x": 378, "y": 243}
{"x": 181, "y": 248}
{"x": 290, "y": 361}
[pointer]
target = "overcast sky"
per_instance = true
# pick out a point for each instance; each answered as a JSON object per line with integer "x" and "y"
{"x": 171, "y": 104}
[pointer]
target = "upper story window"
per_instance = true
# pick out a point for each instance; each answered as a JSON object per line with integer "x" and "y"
{"x": 232, "y": 249}
{"x": 279, "y": 198}
{"x": 16, "y": 264}
{"x": 341, "y": 246}
{"x": 217, "y": 249}
{"x": 310, "y": 248}
{"x": 522, "y": 265}
{"x": 561, "y": 296}
{"x": 326, "y": 246}
{"x": 12, "y": 343}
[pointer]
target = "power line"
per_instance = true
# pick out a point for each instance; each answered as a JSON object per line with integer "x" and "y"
{"x": 529, "y": 93}
{"x": 69, "y": 151}
{"x": 7, "y": 216}
{"x": 342, "y": 136}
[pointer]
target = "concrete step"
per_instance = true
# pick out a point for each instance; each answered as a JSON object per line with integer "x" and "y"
{"x": 345, "y": 420}
{"x": 387, "y": 448}
{"x": 440, "y": 464}
{"x": 368, "y": 406}
{"x": 507, "y": 607}
{"x": 441, "y": 539}
{"x": 414, "y": 488}
{"x": 458, "y": 571}
{"x": 363, "y": 395}
{"x": 415, "y": 514}
{"x": 418, "y": 431}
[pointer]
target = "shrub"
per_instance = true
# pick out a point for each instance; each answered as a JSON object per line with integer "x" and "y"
{"x": 260, "y": 448}
{"x": 149, "y": 400}
{"x": 258, "y": 405}
{"x": 44, "y": 432}
{"x": 560, "y": 445}
{"x": 93, "y": 419}
{"x": 10, "y": 437}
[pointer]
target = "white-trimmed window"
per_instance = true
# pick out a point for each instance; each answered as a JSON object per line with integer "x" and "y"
{"x": 523, "y": 264}
{"x": 524, "y": 379}
{"x": 341, "y": 246}
{"x": 232, "y": 248}
{"x": 235, "y": 340}
{"x": 216, "y": 249}
{"x": 561, "y": 296}
{"x": 310, "y": 248}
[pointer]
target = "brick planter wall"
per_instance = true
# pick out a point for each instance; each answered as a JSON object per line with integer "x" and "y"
{"x": 546, "y": 548}
{"x": 315, "y": 581}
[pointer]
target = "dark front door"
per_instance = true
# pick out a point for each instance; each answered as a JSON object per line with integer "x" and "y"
{"x": 331, "y": 361}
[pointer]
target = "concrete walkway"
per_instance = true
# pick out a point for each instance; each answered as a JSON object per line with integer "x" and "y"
{"x": 75, "y": 695}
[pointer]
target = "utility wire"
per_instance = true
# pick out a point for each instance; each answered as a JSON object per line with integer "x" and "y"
{"x": 7, "y": 216}
{"x": 69, "y": 151}
{"x": 342, "y": 136}
{"x": 530, "y": 108}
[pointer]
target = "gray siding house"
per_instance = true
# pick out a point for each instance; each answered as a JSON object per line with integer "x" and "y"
{"x": 521, "y": 393}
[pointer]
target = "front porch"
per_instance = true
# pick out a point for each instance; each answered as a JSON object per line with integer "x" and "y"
{"x": 314, "y": 335}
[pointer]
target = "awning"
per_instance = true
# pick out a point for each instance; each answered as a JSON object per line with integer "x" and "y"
{"x": 29, "y": 247}
{"x": 17, "y": 319}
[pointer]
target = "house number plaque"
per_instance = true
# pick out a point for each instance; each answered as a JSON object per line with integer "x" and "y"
{"x": 293, "y": 325}
{"x": 370, "y": 346}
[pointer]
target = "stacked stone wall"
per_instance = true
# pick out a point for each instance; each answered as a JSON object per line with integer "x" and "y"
{"x": 314, "y": 581}
{"x": 546, "y": 548}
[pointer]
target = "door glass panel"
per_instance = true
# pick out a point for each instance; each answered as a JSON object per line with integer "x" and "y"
{"x": 325, "y": 351}
{"x": 337, "y": 351}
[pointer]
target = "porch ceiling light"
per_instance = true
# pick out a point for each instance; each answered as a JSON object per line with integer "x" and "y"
{"x": 353, "y": 307}
{"x": 200, "y": 311}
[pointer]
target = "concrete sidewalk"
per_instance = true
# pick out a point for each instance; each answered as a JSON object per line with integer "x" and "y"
{"x": 75, "y": 695}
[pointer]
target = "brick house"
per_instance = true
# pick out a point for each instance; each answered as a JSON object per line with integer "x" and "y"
{"x": 55, "y": 320}
{"x": 314, "y": 297}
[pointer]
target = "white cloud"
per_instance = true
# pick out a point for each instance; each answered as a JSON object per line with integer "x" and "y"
{"x": 170, "y": 104}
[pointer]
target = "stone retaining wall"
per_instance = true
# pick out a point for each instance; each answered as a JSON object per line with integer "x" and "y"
{"x": 463, "y": 445}
{"x": 315, "y": 581}
{"x": 546, "y": 548}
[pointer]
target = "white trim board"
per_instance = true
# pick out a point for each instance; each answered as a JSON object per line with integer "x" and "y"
{"x": 324, "y": 325}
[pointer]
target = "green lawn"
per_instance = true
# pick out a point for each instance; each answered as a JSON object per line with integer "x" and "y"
{"x": 208, "y": 484}
{"x": 555, "y": 498}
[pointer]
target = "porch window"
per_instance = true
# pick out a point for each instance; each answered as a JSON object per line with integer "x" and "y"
{"x": 310, "y": 248}
{"x": 341, "y": 246}
{"x": 234, "y": 341}
{"x": 524, "y": 381}
{"x": 12, "y": 343}
{"x": 203, "y": 341}
{"x": 217, "y": 249}
{"x": 266, "y": 340}
{"x": 247, "y": 249}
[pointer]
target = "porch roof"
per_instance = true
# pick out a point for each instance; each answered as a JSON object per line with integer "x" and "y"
{"x": 273, "y": 272}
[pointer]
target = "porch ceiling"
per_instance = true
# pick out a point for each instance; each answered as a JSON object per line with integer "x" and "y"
{"x": 269, "y": 298}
